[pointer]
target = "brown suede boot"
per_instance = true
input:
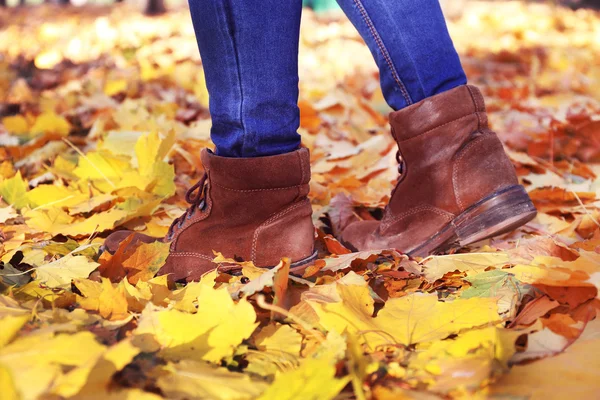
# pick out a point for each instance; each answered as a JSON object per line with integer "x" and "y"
{"x": 249, "y": 209}
{"x": 457, "y": 186}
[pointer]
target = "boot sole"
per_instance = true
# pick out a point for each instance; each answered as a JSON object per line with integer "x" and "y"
{"x": 501, "y": 212}
{"x": 297, "y": 268}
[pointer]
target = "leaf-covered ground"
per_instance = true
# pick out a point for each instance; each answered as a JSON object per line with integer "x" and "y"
{"x": 103, "y": 114}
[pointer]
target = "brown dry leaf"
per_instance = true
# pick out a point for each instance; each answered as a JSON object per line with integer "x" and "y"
{"x": 280, "y": 286}
{"x": 533, "y": 310}
{"x": 145, "y": 261}
{"x": 111, "y": 265}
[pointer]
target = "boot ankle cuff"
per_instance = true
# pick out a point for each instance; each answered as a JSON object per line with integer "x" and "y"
{"x": 258, "y": 173}
{"x": 436, "y": 111}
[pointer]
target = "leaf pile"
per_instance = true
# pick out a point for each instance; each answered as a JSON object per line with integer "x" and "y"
{"x": 102, "y": 118}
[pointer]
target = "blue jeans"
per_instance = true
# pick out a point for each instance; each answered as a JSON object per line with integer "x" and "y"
{"x": 249, "y": 51}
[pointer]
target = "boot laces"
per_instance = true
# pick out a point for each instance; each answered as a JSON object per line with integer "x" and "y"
{"x": 195, "y": 196}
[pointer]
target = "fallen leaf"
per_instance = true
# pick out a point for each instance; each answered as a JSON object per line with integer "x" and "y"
{"x": 60, "y": 273}
{"x": 145, "y": 261}
{"x": 406, "y": 320}
{"x": 435, "y": 267}
{"x": 10, "y": 327}
{"x": 281, "y": 338}
{"x": 43, "y": 357}
{"x": 49, "y": 122}
{"x": 217, "y": 328}
{"x": 95, "y": 376}
{"x": 198, "y": 380}
{"x": 13, "y": 191}
{"x": 314, "y": 379}
{"x": 571, "y": 374}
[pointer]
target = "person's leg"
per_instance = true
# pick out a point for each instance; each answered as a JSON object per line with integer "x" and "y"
{"x": 251, "y": 204}
{"x": 249, "y": 51}
{"x": 411, "y": 45}
{"x": 457, "y": 185}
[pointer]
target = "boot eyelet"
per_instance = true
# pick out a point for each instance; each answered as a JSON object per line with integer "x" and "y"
{"x": 189, "y": 215}
{"x": 202, "y": 205}
{"x": 401, "y": 168}
{"x": 180, "y": 224}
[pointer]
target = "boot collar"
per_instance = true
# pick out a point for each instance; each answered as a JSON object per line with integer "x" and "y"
{"x": 258, "y": 173}
{"x": 436, "y": 111}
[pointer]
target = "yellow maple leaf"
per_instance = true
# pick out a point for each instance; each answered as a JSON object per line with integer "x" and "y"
{"x": 96, "y": 374}
{"x": 200, "y": 380}
{"x": 16, "y": 124}
{"x": 110, "y": 301}
{"x": 50, "y": 220}
{"x": 217, "y": 328}
{"x": 10, "y": 327}
{"x": 60, "y": 273}
{"x": 102, "y": 166}
{"x": 64, "y": 167}
{"x": 7, "y": 385}
{"x": 421, "y": 317}
{"x": 115, "y": 87}
{"x": 186, "y": 299}
{"x": 281, "y": 338}
{"x": 54, "y": 196}
{"x": 90, "y": 204}
{"x": 436, "y": 266}
{"x": 50, "y": 122}
{"x": 136, "y": 299}
{"x": 473, "y": 349}
{"x": 55, "y": 221}
{"x": 91, "y": 291}
{"x": 13, "y": 191}
{"x": 145, "y": 262}
{"x": 150, "y": 149}
{"x": 33, "y": 290}
{"x": 112, "y": 304}
{"x": 156, "y": 289}
{"x": 134, "y": 179}
{"x": 313, "y": 380}
{"x": 406, "y": 320}
{"x": 120, "y": 142}
{"x": 163, "y": 179}
{"x": 43, "y": 356}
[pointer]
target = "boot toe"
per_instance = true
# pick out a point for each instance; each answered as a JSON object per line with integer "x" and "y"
{"x": 186, "y": 267}
{"x": 356, "y": 236}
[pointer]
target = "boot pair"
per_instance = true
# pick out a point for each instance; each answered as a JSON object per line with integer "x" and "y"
{"x": 456, "y": 187}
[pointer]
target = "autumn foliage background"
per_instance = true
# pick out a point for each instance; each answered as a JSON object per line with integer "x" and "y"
{"x": 102, "y": 118}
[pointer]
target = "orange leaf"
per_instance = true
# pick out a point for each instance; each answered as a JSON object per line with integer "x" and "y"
{"x": 111, "y": 266}
{"x": 280, "y": 285}
{"x": 145, "y": 261}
